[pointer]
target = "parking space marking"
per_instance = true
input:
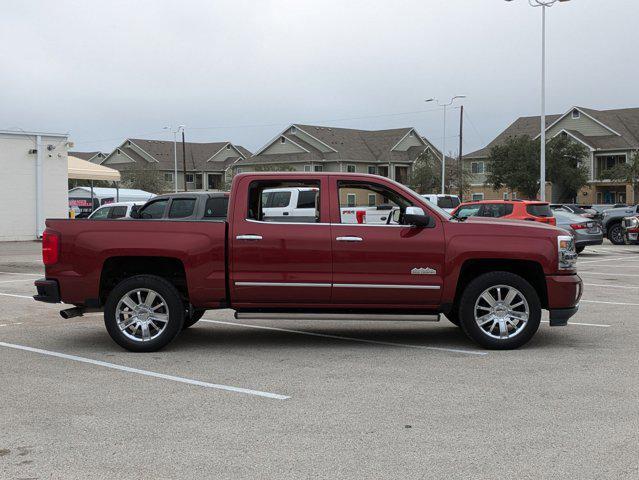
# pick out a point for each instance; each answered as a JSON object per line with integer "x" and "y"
{"x": 609, "y": 303}
{"x": 606, "y": 260}
{"x": 19, "y": 273}
{"x": 14, "y": 295}
{"x": 18, "y": 280}
{"x": 352, "y": 339}
{"x": 609, "y": 274}
{"x": 10, "y": 324}
{"x": 582, "y": 324}
{"x": 147, "y": 373}
{"x": 625, "y": 287}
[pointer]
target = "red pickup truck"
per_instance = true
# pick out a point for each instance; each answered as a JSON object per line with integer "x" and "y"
{"x": 153, "y": 278}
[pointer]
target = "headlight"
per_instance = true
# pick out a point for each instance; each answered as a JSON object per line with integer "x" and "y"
{"x": 567, "y": 252}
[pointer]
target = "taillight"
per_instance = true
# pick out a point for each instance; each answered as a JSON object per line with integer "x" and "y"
{"x": 578, "y": 226}
{"x": 552, "y": 220}
{"x": 50, "y": 247}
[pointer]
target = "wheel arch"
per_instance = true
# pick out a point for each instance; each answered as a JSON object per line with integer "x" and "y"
{"x": 529, "y": 270}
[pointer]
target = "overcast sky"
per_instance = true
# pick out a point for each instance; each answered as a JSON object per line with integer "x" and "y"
{"x": 243, "y": 70}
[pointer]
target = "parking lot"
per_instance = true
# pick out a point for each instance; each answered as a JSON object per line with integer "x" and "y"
{"x": 238, "y": 399}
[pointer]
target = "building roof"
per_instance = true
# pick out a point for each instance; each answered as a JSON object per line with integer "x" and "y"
{"x": 622, "y": 123}
{"x": 84, "y": 155}
{"x": 339, "y": 144}
{"x": 197, "y": 154}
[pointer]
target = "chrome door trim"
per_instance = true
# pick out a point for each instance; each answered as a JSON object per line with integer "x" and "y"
{"x": 349, "y": 239}
{"x": 280, "y": 284}
{"x": 378, "y": 285}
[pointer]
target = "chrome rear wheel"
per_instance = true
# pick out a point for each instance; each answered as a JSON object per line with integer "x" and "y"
{"x": 142, "y": 314}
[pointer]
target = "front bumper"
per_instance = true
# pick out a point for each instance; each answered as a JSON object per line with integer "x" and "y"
{"x": 564, "y": 293}
{"x": 48, "y": 291}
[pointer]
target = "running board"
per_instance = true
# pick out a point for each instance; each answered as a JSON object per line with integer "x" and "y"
{"x": 336, "y": 316}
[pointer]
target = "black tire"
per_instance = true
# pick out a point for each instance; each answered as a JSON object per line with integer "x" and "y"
{"x": 471, "y": 295}
{"x": 580, "y": 249}
{"x": 190, "y": 320}
{"x": 174, "y": 308}
{"x": 615, "y": 234}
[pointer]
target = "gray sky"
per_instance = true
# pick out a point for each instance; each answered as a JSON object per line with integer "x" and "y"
{"x": 104, "y": 71}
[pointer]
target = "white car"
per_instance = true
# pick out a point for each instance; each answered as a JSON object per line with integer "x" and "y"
{"x": 114, "y": 210}
{"x": 445, "y": 202}
{"x": 290, "y": 204}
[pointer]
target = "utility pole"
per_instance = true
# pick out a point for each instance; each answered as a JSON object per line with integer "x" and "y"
{"x": 461, "y": 165}
{"x": 184, "y": 159}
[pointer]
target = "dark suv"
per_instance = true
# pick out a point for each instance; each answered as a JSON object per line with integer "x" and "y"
{"x": 185, "y": 206}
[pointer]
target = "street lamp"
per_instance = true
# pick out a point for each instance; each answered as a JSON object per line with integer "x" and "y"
{"x": 444, "y": 139}
{"x": 542, "y": 168}
{"x": 175, "y": 132}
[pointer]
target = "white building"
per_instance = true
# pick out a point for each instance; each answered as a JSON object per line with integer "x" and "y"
{"x": 33, "y": 182}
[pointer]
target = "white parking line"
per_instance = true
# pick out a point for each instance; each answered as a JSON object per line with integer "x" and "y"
{"x": 145, "y": 372}
{"x": 610, "y": 286}
{"x": 582, "y": 324}
{"x": 610, "y": 273}
{"x": 18, "y": 273}
{"x": 605, "y": 260}
{"x": 609, "y": 303}
{"x": 10, "y": 324}
{"x": 352, "y": 339}
{"x": 17, "y": 296}
{"x": 19, "y": 280}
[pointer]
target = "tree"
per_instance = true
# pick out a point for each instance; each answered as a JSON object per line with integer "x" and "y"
{"x": 626, "y": 172}
{"x": 565, "y": 167}
{"x": 515, "y": 165}
{"x": 149, "y": 179}
{"x": 426, "y": 172}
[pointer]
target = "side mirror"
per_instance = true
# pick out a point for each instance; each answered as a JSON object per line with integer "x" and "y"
{"x": 415, "y": 216}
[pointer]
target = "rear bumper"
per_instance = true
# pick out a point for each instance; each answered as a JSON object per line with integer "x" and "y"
{"x": 48, "y": 291}
{"x": 589, "y": 241}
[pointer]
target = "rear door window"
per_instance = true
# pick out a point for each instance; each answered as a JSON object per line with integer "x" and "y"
{"x": 468, "y": 211}
{"x": 182, "y": 207}
{"x": 277, "y": 199}
{"x": 539, "y": 210}
{"x": 118, "y": 212}
{"x": 154, "y": 210}
{"x": 216, "y": 207}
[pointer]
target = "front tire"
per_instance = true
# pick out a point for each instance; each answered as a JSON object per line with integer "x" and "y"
{"x": 500, "y": 310}
{"x": 143, "y": 313}
{"x": 580, "y": 249}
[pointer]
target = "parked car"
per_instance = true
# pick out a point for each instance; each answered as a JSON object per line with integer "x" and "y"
{"x": 115, "y": 210}
{"x": 630, "y": 227}
{"x": 507, "y": 209}
{"x": 612, "y": 219}
{"x": 153, "y": 278}
{"x": 186, "y": 206}
{"x": 584, "y": 230}
{"x": 583, "y": 210}
{"x": 446, "y": 202}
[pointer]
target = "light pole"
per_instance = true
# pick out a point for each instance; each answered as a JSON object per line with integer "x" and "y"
{"x": 542, "y": 168}
{"x": 444, "y": 137}
{"x": 175, "y": 132}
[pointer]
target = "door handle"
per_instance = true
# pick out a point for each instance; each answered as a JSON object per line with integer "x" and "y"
{"x": 249, "y": 237}
{"x": 349, "y": 239}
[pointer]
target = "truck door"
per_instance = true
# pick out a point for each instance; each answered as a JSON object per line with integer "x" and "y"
{"x": 385, "y": 263}
{"x": 279, "y": 259}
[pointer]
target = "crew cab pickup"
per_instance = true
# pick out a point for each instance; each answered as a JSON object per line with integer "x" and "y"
{"x": 154, "y": 277}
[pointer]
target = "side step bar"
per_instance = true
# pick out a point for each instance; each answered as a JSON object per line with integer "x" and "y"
{"x": 335, "y": 316}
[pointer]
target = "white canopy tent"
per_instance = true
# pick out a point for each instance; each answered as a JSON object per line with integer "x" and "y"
{"x": 82, "y": 170}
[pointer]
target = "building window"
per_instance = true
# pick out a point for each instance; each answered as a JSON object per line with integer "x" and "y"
{"x": 318, "y": 168}
{"x": 189, "y": 178}
{"x": 513, "y": 196}
{"x": 293, "y": 129}
{"x": 478, "y": 197}
{"x": 576, "y": 114}
{"x": 372, "y": 199}
{"x": 307, "y": 168}
{"x": 168, "y": 176}
{"x": 607, "y": 162}
{"x": 505, "y": 196}
{"x": 351, "y": 200}
{"x": 372, "y": 169}
{"x": 282, "y": 140}
{"x": 350, "y": 168}
{"x": 238, "y": 170}
{"x": 477, "y": 167}
{"x": 411, "y": 134}
{"x": 228, "y": 146}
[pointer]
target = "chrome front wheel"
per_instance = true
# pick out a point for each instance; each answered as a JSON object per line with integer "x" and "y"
{"x": 142, "y": 314}
{"x": 501, "y": 312}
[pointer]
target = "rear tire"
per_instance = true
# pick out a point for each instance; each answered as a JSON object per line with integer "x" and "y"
{"x": 513, "y": 318}
{"x": 144, "y": 313}
{"x": 580, "y": 249}
{"x": 615, "y": 234}
{"x": 453, "y": 316}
